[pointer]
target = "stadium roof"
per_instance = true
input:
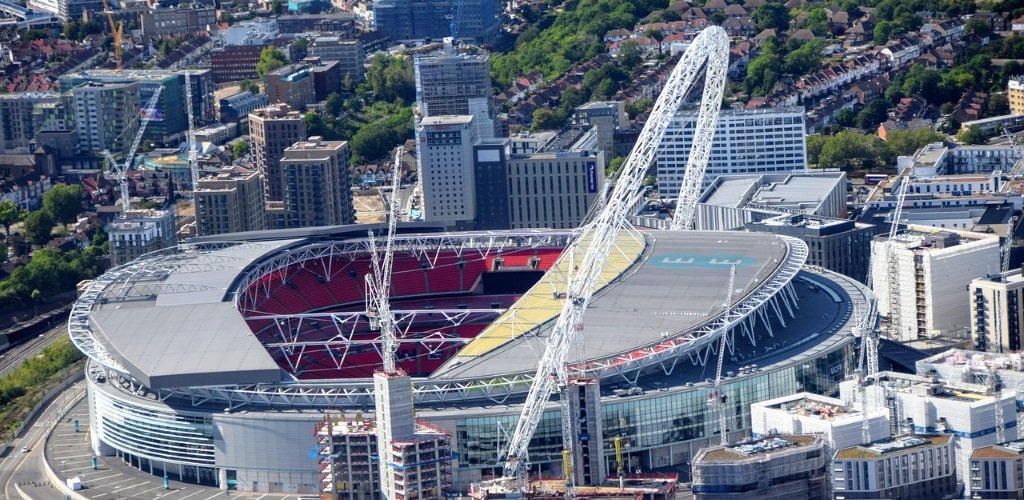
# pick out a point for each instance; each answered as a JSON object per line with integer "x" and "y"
{"x": 681, "y": 283}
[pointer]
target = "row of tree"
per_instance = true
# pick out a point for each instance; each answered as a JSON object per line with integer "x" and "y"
{"x": 848, "y": 150}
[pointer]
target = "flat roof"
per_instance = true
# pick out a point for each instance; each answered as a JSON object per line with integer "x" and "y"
{"x": 899, "y": 444}
{"x": 174, "y": 324}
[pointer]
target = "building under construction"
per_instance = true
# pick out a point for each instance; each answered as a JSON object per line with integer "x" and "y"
{"x": 349, "y": 462}
{"x": 773, "y": 467}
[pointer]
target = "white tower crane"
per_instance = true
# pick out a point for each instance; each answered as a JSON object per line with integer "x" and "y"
{"x": 121, "y": 171}
{"x": 599, "y": 236}
{"x": 892, "y": 261}
{"x": 716, "y": 398}
{"x": 378, "y": 283}
{"x": 193, "y": 151}
{"x": 395, "y": 419}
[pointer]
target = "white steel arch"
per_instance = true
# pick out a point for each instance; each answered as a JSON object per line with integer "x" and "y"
{"x": 715, "y": 50}
{"x": 599, "y": 236}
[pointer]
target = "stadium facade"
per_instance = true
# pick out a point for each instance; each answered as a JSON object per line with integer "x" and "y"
{"x": 214, "y": 361}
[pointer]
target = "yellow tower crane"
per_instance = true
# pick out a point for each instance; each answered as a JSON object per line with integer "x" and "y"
{"x": 116, "y": 29}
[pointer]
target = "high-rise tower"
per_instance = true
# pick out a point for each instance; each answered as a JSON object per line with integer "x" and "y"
{"x": 452, "y": 83}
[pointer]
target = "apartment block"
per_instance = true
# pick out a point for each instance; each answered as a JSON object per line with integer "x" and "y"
{"x": 839, "y": 245}
{"x": 452, "y": 83}
{"x": 978, "y": 415}
{"x": 139, "y": 232}
{"x": 418, "y": 19}
{"x": 840, "y": 424}
{"x": 230, "y": 202}
{"x": 168, "y": 121}
{"x": 232, "y": 63}
{"x": 317, "y": 183}
{"x": 272, "y": 130}
{"x": 349, "y": 466}
{"x": 906, "y": 467}
{"x": 24, "y": 114}
{"x": 177, "y": 20}
{"x": 997, "y": 471}
{"x": 105, "y": 116}
{"x": 236, "y": 108}
{"x": 292, "y": 85}
{"x": 607, "y": 117}
{"x": 1015, "y": 91}
{"x": 931, "y": 271}
{"x": 775, "y": 467}
{"x": 348, "y": 52}
{"x": 997, "y": 311}
{"x": 746, "y": 141}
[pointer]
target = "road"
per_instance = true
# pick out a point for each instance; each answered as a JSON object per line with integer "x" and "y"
{"x": 27, "y": 468}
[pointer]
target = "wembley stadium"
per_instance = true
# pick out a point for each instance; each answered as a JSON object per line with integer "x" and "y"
{"x": 213, "y": 361}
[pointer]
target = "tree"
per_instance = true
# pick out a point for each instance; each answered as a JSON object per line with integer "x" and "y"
{"x": 817, "y": 21}
{"x": 847, "y": 150}
{"x": 249, "y": 86}
{"x": 629, "y": 55}
{"x": 772, "y": 16}
{"x": 657, "y": 35}
{"x": 972, "y": 135}
{"x": 271, "y": 58}
{"x": 240, "y": 149}
{"x": 546, "y": 119}
{"x": 9, "y": 214}
{"x": 63, "y": 202}
{"x": 906, "y": 142}
{"x": 300, "y": 48}
{"x": 876, "y": 111}
{"x": 882, "y": 33}
{"x": 846, "y": 117}
{"x": 614, "y": 165}
{"x": 334, "y": 104}
{"x": 999, "y": 104}
{"x": 978, "y": 26}
{"x": 38, "y": 227}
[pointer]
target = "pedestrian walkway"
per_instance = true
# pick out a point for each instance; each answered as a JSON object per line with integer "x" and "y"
{"x": 68, "y": 455}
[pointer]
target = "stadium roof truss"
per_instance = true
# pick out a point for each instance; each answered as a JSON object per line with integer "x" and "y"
{"x": 141, "y": 279}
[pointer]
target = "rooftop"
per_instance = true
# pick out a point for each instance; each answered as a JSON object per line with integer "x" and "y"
{"x": 876, "y": 450}
{"x": 1005, "y": 450}
{"x": 744, "y": 451}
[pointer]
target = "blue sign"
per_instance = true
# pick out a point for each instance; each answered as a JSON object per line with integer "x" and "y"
{"x": 591, "y": 177}
{"x": 680, "y": 261}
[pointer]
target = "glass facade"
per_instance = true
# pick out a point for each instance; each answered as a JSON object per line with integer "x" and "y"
{"x": 655, "y": 423}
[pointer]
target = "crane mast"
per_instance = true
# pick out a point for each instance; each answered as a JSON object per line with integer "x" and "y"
{"x": 596, "y": 240}
{"x": 193, "y": 152}
{"x": 378, "y": 283}
{"x": 117, "y": 31}
{"x": 121, "y": 171}
{"x": 717, "y": 397}
{"x": 892, "y": 260}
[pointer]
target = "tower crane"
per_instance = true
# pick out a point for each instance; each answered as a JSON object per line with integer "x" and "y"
{"x": 121, "y": 171}
{"x": 716, "y": 398}
{"x": 193, "y": 152}
{"x": 378, "y": 283}
{"x": 892, "y": 260}
{"x": 117, "y": 31}
{"x": 454, "y": 19}
{"x": 585, "y": 258}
